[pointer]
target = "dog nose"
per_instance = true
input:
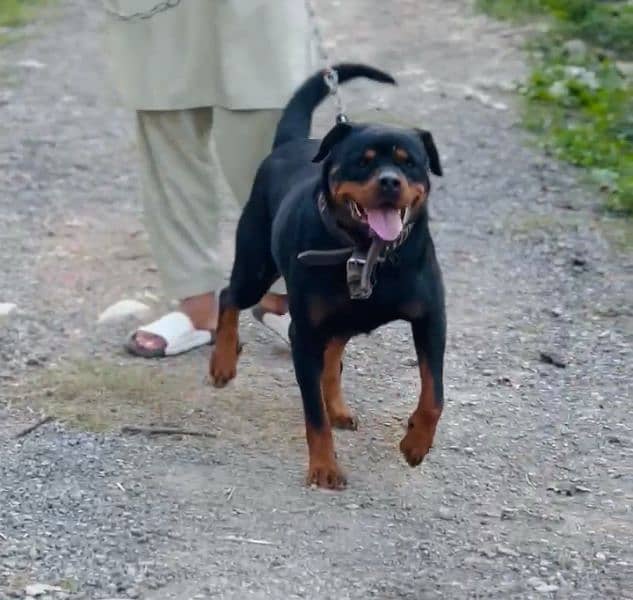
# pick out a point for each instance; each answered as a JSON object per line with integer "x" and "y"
{"x": 389, "y": 183}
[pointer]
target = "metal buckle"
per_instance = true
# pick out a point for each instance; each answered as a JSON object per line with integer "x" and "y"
{"x": 355, "y": 267}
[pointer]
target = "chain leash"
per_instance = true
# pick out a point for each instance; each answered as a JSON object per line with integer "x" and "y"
{"x": 138, "y": 16}
{"x": 330, "y": 76}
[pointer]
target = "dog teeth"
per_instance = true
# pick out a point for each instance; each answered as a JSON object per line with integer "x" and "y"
{"x": 355, "y": 209}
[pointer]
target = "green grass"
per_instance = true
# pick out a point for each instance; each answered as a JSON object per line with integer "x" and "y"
{"x": 14, "y": 13}
{"x": 581, "y": 103}
{"x": 511, "y": 9}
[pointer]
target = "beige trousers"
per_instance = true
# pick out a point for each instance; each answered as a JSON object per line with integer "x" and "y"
{"x": 182, "y": 207}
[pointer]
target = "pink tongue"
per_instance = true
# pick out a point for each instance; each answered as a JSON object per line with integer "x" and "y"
{"x": 385, "y": 222}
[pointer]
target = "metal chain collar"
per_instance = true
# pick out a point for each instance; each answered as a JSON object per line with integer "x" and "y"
{"x": 138, "y": 16}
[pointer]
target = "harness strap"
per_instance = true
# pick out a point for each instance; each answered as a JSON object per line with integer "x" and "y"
{"x": 325, "y": 258}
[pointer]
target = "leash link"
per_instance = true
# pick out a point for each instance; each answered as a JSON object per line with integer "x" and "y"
{"x": 330, "y": 75}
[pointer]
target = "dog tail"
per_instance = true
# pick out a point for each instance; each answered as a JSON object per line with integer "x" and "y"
{"x": 296, "y": 120}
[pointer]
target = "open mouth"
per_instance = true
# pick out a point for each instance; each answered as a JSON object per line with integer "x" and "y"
{"x": 385, "y": 222}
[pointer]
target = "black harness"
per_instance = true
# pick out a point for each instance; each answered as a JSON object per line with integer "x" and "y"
{"x": 360, "y": 264}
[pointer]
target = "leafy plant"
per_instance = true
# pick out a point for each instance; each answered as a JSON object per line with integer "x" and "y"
{"x": 580, "y": 102}
{"x": 14, "y": 13}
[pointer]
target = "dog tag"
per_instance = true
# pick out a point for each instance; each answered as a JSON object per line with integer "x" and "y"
{"x": 355, "y": 266}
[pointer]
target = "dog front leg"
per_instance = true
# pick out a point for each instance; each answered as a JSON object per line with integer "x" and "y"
{"x": 429, "y": 336}
{"x": 307, "y": 355}
{"x": 223, "y": 363}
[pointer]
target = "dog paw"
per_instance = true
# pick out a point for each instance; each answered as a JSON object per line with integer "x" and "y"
{"x": 415, "y": 445}
{"x": 222, "y": 369}
{"x": 344, "y": 420}
{"x": 327, "y": 475}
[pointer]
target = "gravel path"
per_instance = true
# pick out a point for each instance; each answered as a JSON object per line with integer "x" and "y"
{"x": 528, "y": 491}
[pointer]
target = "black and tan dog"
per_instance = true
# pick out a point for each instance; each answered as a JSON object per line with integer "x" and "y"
{"x": 350, "y": 236}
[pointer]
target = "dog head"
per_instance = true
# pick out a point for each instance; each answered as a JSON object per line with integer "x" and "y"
{"x": 376, "y": 178}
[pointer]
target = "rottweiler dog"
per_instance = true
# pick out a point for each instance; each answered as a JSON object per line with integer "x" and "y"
{"x": 344, "y": 221}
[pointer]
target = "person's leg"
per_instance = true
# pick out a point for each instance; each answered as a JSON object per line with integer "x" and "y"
{"x": 181, "y": 211}
{"x": 243, "y": 138}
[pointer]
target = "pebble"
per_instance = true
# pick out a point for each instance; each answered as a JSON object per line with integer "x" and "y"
{"x": 123, "y": 309}
{"x": 550, "y": 357}
{"x": 446, "y": 514}
{"x": 505, "y": 551}
{"x": 575, "y": 49}
{"x": 39, "y": 589}
{"x": 626, "y": 68}
{"x": 546, "y": 588}
{"x": 536, "y": 582}
{"x": 30, "y": 63}
{"x": 601, "y": 557}
{"x": 6, "y": 308}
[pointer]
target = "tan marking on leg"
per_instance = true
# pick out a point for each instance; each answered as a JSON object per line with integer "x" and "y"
{"x": 323, "y": 469}
{"x": 339, "y": 413}
{"x": 223, "y": 364}
{"x": 422, "y": 423}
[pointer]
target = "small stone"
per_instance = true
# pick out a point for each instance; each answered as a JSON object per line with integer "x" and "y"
{"x": 445, "y": 514}
{"x": 535, "y": 582}
{"x": 546, "y": 588}
{"x": 410, "y": 362}
{"x": 578, "y": 261}
{"x": 123, "y": 309}
{"x": 567, "y": 488}
{"x": 30, "y": 63}
{"x": 505, "y": 551}
{"x": 551, "y": 357}
{"x": 584, "y": 76}
{"x": 625, "y": 68}
{"x": 601, "y": 557}
{"x": 469, "y": 450}
{"x": 39, "y": 589}
{"x": 558, "y": 89}
{"x": 575, "y": 49}
{"x": 6, "y": 308}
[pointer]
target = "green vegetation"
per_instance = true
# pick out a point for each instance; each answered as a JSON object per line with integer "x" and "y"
{"x": 580, "y": 92}
{"x": 14, "y": 13}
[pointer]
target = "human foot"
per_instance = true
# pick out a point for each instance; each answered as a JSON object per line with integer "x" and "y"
{"x": 177, "y": 332}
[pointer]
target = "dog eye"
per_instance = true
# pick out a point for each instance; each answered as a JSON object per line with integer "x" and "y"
{"x": 367, "y": 157}
{"x": 410, "y": 162}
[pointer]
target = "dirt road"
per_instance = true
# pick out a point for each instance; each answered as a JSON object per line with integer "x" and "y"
{"x": 528, "y": 491}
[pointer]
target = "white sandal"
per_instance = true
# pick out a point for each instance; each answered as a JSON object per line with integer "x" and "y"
{"x": 178, "y": 332}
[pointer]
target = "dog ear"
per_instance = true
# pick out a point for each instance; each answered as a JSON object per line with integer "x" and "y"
{"x": 431, "y": 150}
{"x": 333, "y": 137}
